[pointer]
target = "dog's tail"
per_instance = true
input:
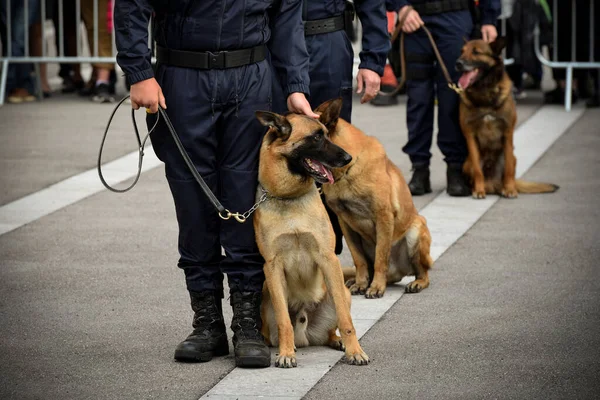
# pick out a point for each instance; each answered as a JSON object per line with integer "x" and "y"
{"x": 535, "y": 187}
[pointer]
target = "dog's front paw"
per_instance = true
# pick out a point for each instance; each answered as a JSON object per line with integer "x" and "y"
{"x": 510, "y": 193}
{"x": 286, "y": 361}
{"x": 350, "y": 282}
{"x": 375, "y": 292}
{"x": 478, "y": 194}
{"x": 358, "y": 288}
{"x": 359, "y": 358}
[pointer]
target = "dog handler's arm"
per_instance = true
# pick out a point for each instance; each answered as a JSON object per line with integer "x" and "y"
{"x": 131, "y": 19}
{"x": 490, "y": 11}
{"x": 375, "y": 46}
{"x": 289, "y": 55}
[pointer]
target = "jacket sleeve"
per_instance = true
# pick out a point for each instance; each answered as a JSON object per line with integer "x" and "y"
{"x": 375, "y": 38}
{"x": 288, "y": 48}
{"x": 131, "y": 18}
{"x": 490, "y": 11}
{"x": 395, "y": 5}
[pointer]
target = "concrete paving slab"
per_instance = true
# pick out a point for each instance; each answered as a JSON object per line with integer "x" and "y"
{"x": 91, "y": 303}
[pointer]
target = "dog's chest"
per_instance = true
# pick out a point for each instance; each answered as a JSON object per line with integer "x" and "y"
{"x": 489, "y": 131}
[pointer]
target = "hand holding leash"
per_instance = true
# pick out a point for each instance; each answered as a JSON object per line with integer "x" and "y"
{"x": 147, "y": 93}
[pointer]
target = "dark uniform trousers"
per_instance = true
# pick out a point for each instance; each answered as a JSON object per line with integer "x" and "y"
{"x": 214, "y": 118}
{"x": 425, "y": 82}
{"x": 330, "y": 71}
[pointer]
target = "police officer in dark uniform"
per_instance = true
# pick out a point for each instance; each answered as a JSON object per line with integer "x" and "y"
{"x": 213, "y": 72}
{"x": 450, "y": 22}
{"x": 332, "y": 57}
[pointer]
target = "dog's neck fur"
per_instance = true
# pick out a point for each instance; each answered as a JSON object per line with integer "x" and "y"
{"x": 275, "y": 177}
{"x": 488, "y": 91}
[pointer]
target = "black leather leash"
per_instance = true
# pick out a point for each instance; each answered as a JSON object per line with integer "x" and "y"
{"x": 222, "y": 211}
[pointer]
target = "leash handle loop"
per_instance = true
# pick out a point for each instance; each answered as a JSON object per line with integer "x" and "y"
{"x": 222, "y": 211}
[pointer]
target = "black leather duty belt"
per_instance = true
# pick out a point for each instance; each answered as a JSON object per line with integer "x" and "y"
{"x": 442, "y": 6}
{"x": 210, "y": 60}
{"x": 326, "y": 25}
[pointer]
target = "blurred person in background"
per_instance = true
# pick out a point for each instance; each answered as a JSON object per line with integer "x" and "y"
{"x": 20, "y": 83}
{"x": 521, "y": 17}
{"x": 581, "y": 77}
{"x": 450, "y": 22}
{"x": 101, "y": 87}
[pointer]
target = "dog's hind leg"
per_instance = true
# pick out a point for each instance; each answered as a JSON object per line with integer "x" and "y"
{"x": 419, "y": 243}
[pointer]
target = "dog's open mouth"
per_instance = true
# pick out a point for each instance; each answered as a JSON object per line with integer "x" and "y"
{"x": 468, "y": 78}
{"x": 319, "y": 172}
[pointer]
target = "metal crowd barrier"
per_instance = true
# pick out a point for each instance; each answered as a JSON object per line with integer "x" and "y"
{"x": 8, "y": 58}
{"x": 568, "y": 65}
{"x": 94, "y": 58}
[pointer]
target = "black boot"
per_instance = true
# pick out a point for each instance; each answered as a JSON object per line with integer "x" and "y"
{"x": 209, "y": 338}
{"x": 249, "y": 345}
{"x": 457, "y": 184}
{"x": 419, "y": 183}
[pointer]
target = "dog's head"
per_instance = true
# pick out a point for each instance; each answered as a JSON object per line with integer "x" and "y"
{"x": 478, "y": 59}
{"x": 302, "y": 141}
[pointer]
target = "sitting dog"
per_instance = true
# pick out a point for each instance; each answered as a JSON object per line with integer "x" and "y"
{"x": 304, "y": 297}
{"x": 488, "y": 117}
{"x": 386, "y": 236}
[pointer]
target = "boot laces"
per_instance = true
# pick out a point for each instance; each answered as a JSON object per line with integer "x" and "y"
{"x": 247, "y": 317}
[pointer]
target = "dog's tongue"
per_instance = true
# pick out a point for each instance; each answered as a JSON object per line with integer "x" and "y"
{"x": 322, "y": 169}
{"x": 467, "y": 78}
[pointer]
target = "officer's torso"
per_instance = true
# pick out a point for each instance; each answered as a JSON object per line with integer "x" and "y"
{"x": 319, "y": 9}
{"x": 210, "y": 25}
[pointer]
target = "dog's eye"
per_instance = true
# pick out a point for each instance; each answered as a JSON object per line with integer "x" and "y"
{"x": 476, "y": 52}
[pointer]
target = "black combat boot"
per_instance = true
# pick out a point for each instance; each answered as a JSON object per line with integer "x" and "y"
{"x": 209, "y": 338}
{"x": 419, "y": 183}
{"x": 250, "y": 348}
{"x": 457, "y": 184}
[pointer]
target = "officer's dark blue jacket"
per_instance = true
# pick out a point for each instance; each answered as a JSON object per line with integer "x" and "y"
{"x": 490, "y": 9}
{"x": 375, "y": 40}
{"x": 203, "y": 25}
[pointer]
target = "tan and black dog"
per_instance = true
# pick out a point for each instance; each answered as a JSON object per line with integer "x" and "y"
{"x": 304, "y": 297}
{"x": 386, "y": 235}
{"x": 488, "y": 117}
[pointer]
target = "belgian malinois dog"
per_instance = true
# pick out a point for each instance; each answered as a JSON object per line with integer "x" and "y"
{"x": 304, "y": 297}
{"x": 386, "y": 235}
{"x": 488, "y": 117}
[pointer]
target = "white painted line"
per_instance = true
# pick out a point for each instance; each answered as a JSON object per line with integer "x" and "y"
{"x": 71, "y": 190}
{"x": 448, "y": 219}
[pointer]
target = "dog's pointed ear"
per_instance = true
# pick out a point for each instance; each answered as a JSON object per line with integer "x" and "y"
{"x": 279, "y": 123}
{"x": 330, "y": 113}
{"x": 498, "y": 44}
{"x": 465, "y": 40}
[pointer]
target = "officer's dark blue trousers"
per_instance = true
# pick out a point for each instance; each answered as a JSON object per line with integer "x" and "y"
{"x": 330, "y": 71}
{"x": 425, "y": 82}
{"x": 213, "y": 114}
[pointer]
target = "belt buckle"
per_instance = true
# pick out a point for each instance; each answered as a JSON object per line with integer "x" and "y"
{"x": 216, "y": 60}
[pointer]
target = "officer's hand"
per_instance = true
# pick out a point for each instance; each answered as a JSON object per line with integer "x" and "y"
{"x": 147, "y": 93}
{"x": 369, "y": 81}
{"x": 489, "y": 33}
{"x": 412, "y": 21}
{"x": 298, "y": 104}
